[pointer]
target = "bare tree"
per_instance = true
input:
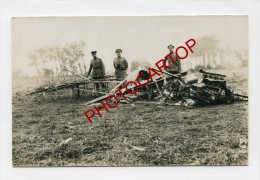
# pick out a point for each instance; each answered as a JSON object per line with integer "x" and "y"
{"x": 34, "y": 62}
{"x": 50, "y": 59}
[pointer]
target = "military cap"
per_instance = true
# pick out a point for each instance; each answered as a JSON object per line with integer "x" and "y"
{"x": 93, "y": 52}
{"x": 171, "y": 46}
{"x": 118, "y": 51}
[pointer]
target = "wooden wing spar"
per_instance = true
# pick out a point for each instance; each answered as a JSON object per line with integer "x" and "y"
{"x": 76, "y": 85}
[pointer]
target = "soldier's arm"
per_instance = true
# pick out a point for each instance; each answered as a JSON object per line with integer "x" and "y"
{"x": 126, "y": 64}
{"x": 115, "y": 65}
{"x": 179, "y": 63}
{"x": 167, "y": 61}
{"x": 103, "y": 67}
{"x": 90, "y": 69}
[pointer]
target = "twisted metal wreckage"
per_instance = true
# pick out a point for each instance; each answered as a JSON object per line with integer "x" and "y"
{"x": 187, "y": 90}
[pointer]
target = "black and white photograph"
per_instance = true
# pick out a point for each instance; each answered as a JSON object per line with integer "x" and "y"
{"x": 130, "y": 91}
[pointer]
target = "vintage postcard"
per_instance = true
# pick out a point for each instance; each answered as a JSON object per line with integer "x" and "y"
{"x": 130, "y": 91}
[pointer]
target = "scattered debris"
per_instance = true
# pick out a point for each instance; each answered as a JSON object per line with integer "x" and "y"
{"x": 138, "y": 148}
{"x": 68, "y": 126}
{"x": 147, "y": 102}
{"x": 243, "y": 143}
{"x": 240, "y": 97}
{"x": 87, "y": 150}
{"x": 188, "y": 103}
{"x": 65, "y": 142}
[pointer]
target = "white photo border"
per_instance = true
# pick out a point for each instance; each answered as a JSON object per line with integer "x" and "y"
{"x": 67, "y": 8}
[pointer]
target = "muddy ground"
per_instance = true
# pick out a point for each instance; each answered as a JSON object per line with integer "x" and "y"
{"x": 129, "y": 135}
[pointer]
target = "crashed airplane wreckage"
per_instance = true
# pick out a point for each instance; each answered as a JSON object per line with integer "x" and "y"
{"x": 188, "y": 90}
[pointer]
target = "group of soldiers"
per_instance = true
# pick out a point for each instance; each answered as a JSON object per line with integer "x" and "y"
{"x": 97, "y": 66}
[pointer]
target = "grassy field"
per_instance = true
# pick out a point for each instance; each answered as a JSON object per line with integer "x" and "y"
{"x": 130, "y": 135}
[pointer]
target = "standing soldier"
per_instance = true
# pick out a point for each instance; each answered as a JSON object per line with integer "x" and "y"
{"x": 98, "y": 69}
{"x": 121, "y": 65}
{"x": 173, "y": 61}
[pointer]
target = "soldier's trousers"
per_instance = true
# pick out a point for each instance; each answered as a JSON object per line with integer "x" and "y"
{"x": 120, "y": 74}
{"x": 97, "y": 85}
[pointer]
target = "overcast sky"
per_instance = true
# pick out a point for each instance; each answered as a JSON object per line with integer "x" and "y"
{"x": 138, "y": 37}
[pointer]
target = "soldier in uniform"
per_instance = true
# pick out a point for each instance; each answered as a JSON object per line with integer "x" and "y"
{"x": 121, "y": 65}
{"x": 174, "y": 68}
{"x": 98, "y": 69}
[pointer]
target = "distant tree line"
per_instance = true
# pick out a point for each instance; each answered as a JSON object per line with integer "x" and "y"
{"x": 208, "y": 54}
{"x": 51, "y": 60}
{"x": 205, "y": 51}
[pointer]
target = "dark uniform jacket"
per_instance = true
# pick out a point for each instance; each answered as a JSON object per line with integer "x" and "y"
{"x": 121, "y": 66}
{"x": 173, "y": 67}
{"x": 98, "y": 68}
